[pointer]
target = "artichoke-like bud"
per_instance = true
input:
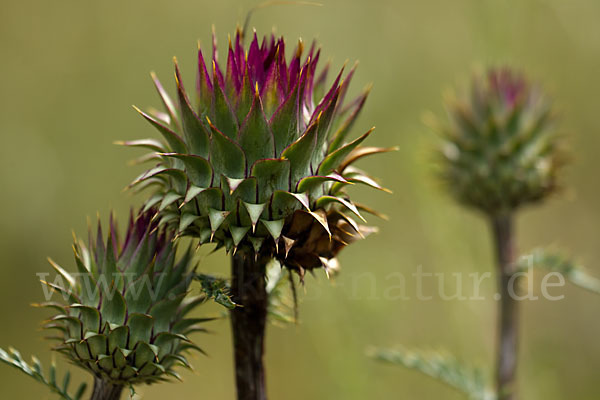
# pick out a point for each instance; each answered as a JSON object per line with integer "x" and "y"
{"x": 124, "y": 315}
{"x": 265, "y": 142}
{"x": 500, "y": 149}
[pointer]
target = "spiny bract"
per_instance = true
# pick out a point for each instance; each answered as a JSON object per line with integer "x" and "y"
{"x": 265, "y": 143}
{"x": 500, "y": 148}
{"x": 124, "y": 315}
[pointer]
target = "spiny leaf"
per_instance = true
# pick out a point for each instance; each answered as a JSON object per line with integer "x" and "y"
{"x": 442, "y": 367}
{"x": 225, "y": 118}
{"x": 310, "y": 182}
{"x": 325, "y": 200}
{"x": 195, "y": 132}
{"x": 216, "y": 218}
{"x": 361, "y": 152}
{"x": 226, "y": 156}
{"x": 90, "y": 316}
{"x": 14, "y": 359}
{"x": 238, "y": 233}
{"x": 192, "y": 192}
{"x": 324, "y": 120}
{"x": 174, "y": 141}
{"x": 352, "y": 176}
{"x": 216, "y": 289}
{"x": 113, "y": 306}
{"x": 340, "y": 135}
{"x": 151, "y": 144}
{"x": 198, "y": 169}
{"x": 300, "y": 153}
{"x": 186, "y": 220}
{"x": 163, "y": 311}
{"x": 255, "y": 135}
{"x": 372, "y": 211}
{"x": 203, "y": 85}
{"x": 271, "y": 174}
{"x": 140, "y": 328}
{"x": 165, "y": 98}
{"x": 554, "y": 262}
{"x": 285, "y": 120}
{"x": 254, "y": 211}
{"x": 257, "y": 243}
{"x": 274, "y": 227}
{"x": 63, "y": 273}
{"x": 333, "y": 160}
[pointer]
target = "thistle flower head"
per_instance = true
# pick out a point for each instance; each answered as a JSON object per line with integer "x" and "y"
{"x": 123, "y": 314}
{"x": 507, "y": 85}
{"x": 500, "y": 149}
{"x": 266, "y": 141}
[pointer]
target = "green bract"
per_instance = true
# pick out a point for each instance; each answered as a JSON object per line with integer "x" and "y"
{"x": 267, "y": 141}
{"x": 500, "y": 149}
{"x": 124, "y": 312}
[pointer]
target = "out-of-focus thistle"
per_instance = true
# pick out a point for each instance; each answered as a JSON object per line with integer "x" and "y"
{"x": 500, "y": 153}
{"x": 125, "y": 312}
{"x": 262, "y": 160}
{"x": 500, "y": 150}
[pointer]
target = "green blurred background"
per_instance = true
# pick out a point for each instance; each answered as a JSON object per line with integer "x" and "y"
{"x": 70, "y": 71}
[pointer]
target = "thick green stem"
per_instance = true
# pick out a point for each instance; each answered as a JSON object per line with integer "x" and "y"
{"x": 248, "y": 323}
{"x": 508, "y": 315}
{"x": 104, "y": 390}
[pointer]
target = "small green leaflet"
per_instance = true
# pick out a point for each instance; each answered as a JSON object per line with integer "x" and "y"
{"x": 13, "y": 358}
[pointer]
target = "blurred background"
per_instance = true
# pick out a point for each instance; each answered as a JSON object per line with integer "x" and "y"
{"x": 71, "y": 69}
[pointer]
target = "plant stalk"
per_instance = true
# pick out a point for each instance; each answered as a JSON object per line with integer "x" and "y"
{"x": 104, "y": 390}
{"x": 508, "y": 313}
{"x": 248, "y": 323}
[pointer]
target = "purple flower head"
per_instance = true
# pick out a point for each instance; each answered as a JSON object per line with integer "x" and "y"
{"x": 268, "y": 136}
{"x": 261, "y": 70}
{"x": 508, "y": 85}
{"x": 142, "y": 235}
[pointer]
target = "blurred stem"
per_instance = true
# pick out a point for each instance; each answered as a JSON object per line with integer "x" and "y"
{"x": 248, "y": 322}
{"x": 508, "y": 315}
{"x": 104, "y": 390}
